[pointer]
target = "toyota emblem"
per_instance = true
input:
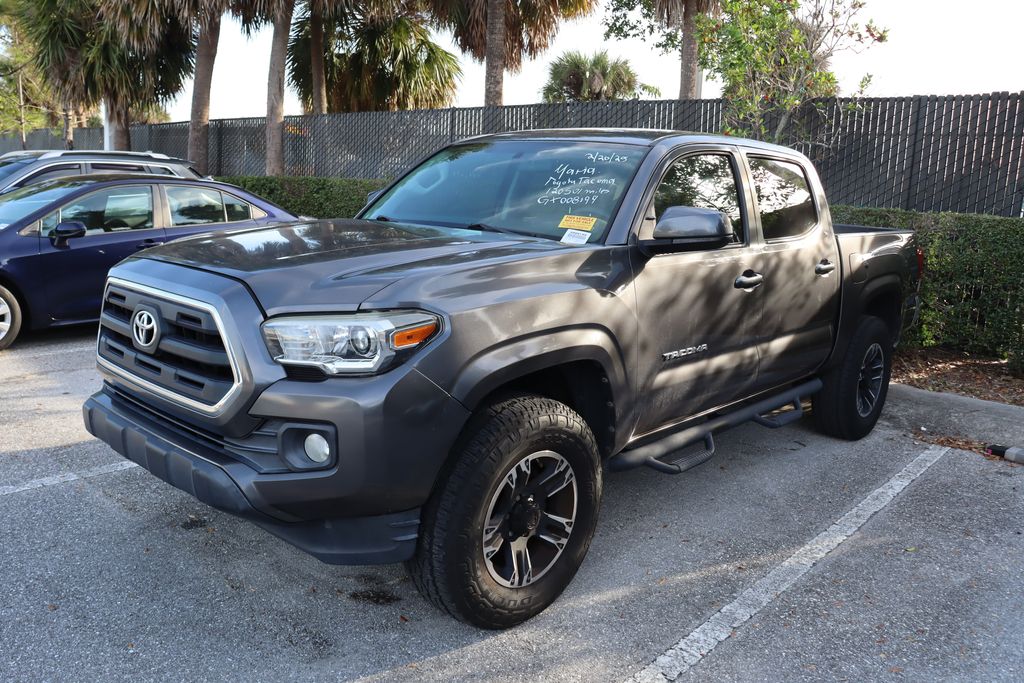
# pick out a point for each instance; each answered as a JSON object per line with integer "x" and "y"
{"x": 144, "y": 329}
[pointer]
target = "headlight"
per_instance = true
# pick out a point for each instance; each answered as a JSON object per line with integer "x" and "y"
{"x": 357, "y": 344}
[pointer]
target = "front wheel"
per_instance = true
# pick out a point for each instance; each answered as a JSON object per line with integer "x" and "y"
{"x": 854, "y": 392}
{"x": 513, "y": 516}
{"x": 10, "y": 318}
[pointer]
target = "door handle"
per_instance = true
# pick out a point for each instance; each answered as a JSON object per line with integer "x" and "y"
{"x": 749, "y": 280}
{"x": 824, "y": 267}
{"x": 146, "y": 244}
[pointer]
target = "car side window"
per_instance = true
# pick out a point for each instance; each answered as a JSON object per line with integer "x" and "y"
{"x": 55, "y": 171}
{"x": 783, "y": 198}
{"x": 112, "y": 210}
{"x": 195, "y": 205}
{"x": 235, "y": 208}
{"x": 117, "y": 168}
{"x": 705, "y": 181}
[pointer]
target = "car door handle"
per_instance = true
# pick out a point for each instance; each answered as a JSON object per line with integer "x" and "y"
{"x": 749, "y": 280}
{"x": 824, "y": 267}
{"x": 146, "y": 244}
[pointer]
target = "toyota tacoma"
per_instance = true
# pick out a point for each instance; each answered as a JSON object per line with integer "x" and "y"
{"x": 445, "y": 379}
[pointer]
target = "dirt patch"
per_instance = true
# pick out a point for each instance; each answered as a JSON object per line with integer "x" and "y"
{"x": 938, "y": 369}
{"x": 960, "y": 442}
{"x": 375, "y": 596}
{"x": 194, "y": 522}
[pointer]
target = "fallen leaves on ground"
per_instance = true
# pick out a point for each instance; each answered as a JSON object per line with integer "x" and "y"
{"x": 958, "y": 442}
{"x": 939, "y": 369}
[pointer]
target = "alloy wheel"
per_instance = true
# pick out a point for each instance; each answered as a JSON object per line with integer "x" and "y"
{"x": 869, "y": 383}
{"x": 529, "y": 519}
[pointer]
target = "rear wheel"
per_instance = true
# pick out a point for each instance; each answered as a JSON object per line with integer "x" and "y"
{"x": 513, "y": 517}
{"x": 854, "y": 392}
{"x": 10, "y": 318}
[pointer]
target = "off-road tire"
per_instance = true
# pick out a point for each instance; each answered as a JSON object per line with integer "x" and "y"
{"x": 449, "y": 567}
{"x": 835, "y": 407}
{"x": 10, "y": 317}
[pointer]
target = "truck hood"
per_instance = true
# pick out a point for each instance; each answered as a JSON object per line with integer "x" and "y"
{"x": 337, "y": 264}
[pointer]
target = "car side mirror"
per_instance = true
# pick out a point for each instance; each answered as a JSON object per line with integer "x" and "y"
{"x": 66, "y": 231}
{"x": 688, "y": 228}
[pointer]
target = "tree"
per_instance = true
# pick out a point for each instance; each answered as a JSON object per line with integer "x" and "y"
{"x": 282, "y": 18}
{"x": 576, "y": 77}
{"x": 525, "y": 28}
{"x": 675, "y": 21}
{"x": 773, "y": 55}
{"x": 139, "y": 21}
{"x": 26, "y": 101}
{"x": 376, "y": 58}
{"x": 85, "y": 60}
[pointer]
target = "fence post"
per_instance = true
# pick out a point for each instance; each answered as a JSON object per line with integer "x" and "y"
{"x": 917, "y": 135}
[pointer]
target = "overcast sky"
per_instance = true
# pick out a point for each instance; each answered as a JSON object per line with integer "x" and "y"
{"x": 935, "y": 47}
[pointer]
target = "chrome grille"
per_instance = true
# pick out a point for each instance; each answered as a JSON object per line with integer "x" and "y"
{"x": 189, "y": 364}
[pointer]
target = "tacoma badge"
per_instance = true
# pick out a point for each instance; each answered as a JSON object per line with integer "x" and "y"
{"x": 680, "y": 353}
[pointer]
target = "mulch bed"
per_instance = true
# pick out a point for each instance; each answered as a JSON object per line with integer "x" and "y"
{"x": 939, "y": 369}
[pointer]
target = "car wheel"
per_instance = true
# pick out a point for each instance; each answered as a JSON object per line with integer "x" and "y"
{"x": 513, "y": 515}
{"x": 10, "y": 318}
{"x": 854, "y": 392}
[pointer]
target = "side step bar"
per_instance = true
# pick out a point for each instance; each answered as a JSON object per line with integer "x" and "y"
{"x": 650, "y": 455}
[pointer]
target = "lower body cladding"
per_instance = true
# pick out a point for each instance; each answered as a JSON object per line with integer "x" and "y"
{"x": 388, "y": 438}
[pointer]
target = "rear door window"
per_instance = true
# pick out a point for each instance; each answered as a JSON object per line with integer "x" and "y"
{"x": 236, "y": 209}
{"x": 783, "y": 198}
{"x": 195, "y": 205}
{"x": 117, "y": 168}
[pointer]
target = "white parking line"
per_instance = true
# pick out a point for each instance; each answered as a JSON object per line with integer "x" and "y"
{"x": 69, "y": 476}
{"x": 706, "y": 637}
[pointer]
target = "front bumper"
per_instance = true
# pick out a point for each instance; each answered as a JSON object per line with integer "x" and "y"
{"x": 336, "y": 514}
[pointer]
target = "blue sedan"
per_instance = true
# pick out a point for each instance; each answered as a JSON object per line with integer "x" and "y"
{"x": 59, "y": 238}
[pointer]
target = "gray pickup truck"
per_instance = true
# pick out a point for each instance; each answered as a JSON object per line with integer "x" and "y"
{"x": 445, "y": 379}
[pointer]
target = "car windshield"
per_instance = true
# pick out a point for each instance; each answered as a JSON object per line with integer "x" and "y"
{"x": 562, "y": 190}
{"x": 21, "y": 202}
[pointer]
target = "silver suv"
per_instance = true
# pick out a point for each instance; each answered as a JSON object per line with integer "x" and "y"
{"x": 21, "y": 168}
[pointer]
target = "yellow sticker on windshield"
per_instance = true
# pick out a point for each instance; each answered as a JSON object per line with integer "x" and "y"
{"x": 578, "y": 222}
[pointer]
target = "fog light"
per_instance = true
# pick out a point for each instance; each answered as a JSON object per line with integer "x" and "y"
{"x": 317, "y": 448}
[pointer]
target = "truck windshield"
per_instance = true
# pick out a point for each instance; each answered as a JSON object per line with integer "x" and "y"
{"x": 544, "y": 188}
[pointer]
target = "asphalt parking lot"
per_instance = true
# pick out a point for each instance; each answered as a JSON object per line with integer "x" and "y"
{"x": 788, "y": 557}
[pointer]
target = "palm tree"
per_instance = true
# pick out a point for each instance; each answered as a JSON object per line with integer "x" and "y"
{"x": 375, "y": 60}
{"x": 281, "y": 15}
{"x": 682, "y": 15}
{"x": 576, "y": 77}
{"x": 86, "y": 60}
{"x": 502, "y": 32}
{"x": 139, "y": 21}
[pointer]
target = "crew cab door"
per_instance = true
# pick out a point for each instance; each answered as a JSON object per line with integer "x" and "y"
{"x": 697, "y": 346}
{"x": 801, "y": 268}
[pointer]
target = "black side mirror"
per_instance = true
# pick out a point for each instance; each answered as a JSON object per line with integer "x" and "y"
{"x": 66, "y": 231}
{"x": 688, "y": 228}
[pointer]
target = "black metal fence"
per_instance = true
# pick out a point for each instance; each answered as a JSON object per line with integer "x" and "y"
{"x": 959, "y": 153}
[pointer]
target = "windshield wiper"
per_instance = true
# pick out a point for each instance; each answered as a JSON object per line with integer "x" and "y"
{"x": 492, "y": 228}
{"x": 507, "y": 231}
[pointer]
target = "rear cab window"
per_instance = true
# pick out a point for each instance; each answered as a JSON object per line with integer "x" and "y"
{"x": 784, "y": 199}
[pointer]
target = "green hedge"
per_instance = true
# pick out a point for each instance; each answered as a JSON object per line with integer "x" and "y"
{"x": 972, "y": 294}
{"x": 316, "y": 197}
{"x": 973, "y": 297}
